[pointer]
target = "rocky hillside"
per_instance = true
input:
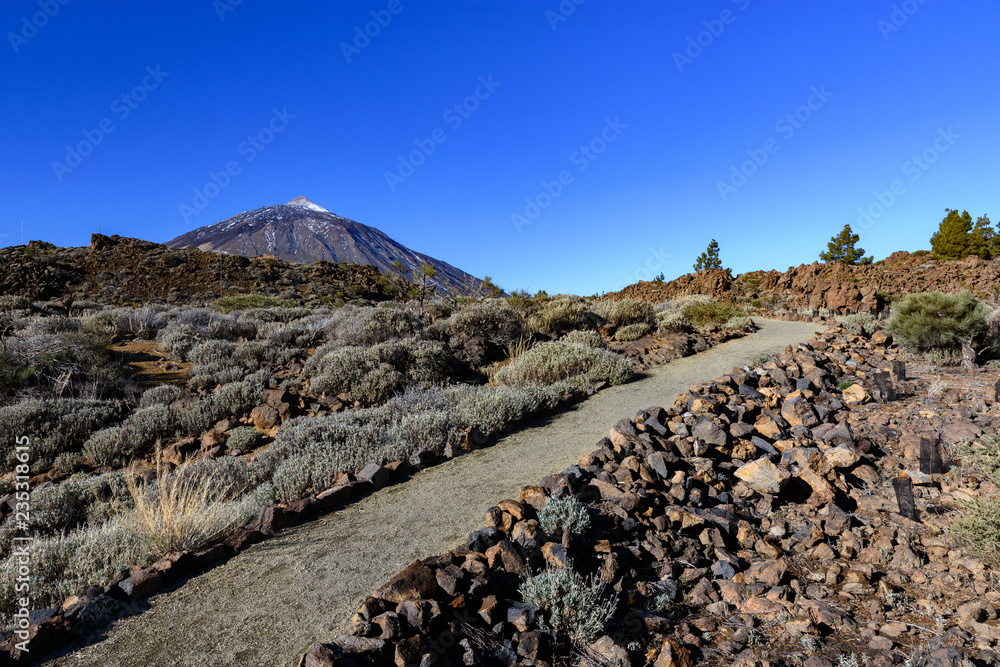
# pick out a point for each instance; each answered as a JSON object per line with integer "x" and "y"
{"x": 754, "y": 523}
{"x": 301, "y": 231}
{"x": 834, "y": 286}
{"x": 121, "y": 270}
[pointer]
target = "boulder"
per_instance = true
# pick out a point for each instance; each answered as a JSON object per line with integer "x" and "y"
{"x": 415, "y": 582}
{"x": 763, "y": 476}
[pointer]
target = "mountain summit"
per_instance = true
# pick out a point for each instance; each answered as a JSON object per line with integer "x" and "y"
{"x": 303, "y": 231}
{"x": 305, "y": 202}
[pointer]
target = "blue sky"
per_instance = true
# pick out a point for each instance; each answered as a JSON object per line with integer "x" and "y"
{"x": 593, "y": 144}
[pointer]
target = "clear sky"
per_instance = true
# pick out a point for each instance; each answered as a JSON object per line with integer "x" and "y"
{"x": 640, "y": 130}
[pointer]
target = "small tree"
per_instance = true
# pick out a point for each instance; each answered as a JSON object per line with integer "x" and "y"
{"x": 423, "y": 283}
{"x": 843, "y": 248}
{"x": 953, "y": 239}
{"x": 710, "y": 258}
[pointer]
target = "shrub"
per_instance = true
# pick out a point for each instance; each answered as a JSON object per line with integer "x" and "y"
{"x": 372, "y": 375}
{"x": 493, "y": 320}
{"x": 357, "y": 326}
{"x": 56, "y": 426}
{"x": 631, "y": 332}
{"x": 568, "y": 604}
{"x": 701, "y": 313}
{"x": 493, "y": 409}
{"x": 178, "y": 511}
{"x": 627, "y": 311}
{"x": 563, "y": 314}
{"x": 135, "y": 437}
{"x": 64, "y": 565}
{"x": 212, "y": 353}
{"x": 127, "y": 323}
{"x": 672, "y": 321}
{"x": 163, "y": 394}
{"x": 933, "y": 321}
{"x": 978, "y": 529}
{"x": 738, "y": 322}
{"x": 564, "y": 513}
{"x": 863, "y": 324}
{"x": 228, "y": 304}
{"x": 13, "y": 302}
{"x": 548, "y": 363}
{"x": 244, "y": 439}
{"x": 585, "y": 337}
{"x": 176, "y": 340}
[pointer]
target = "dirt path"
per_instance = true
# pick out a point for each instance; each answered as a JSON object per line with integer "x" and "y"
{"x": 274, "y": 601}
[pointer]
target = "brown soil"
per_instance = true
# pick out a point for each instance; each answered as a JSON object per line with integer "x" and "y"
{"x": 152, "y": 366}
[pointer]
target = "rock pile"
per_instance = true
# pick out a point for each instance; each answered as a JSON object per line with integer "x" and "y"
{"x": 835, "y": 287}
{"x": 752, "y": 523}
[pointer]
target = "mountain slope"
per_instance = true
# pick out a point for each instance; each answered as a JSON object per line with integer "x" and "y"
{"x": 302, "y": 231}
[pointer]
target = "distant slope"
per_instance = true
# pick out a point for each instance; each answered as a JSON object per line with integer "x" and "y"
{"x": 301, "y": 231}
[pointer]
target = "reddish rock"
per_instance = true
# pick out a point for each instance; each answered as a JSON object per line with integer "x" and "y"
{"x": 264, "y": 417}
{"x": 415, "y": 582}
{"x": 142, "y": 584}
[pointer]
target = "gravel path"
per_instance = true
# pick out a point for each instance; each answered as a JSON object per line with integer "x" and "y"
{"x": 271, "y": 603}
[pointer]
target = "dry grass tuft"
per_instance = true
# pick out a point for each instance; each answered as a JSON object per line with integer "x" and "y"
{"x": 177, "y": 511}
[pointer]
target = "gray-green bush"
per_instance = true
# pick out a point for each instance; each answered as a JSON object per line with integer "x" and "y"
{"x": 569, "y": 605}
{"x": 55, "y": 425}
{"x": 937, "y": 322}
{"x": 548, "y": 363}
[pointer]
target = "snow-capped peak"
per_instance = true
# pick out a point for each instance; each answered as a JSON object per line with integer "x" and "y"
{"x": 305, "y": 203}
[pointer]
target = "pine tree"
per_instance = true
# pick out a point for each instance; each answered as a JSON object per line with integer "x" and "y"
{"x": 710, "y": 258}
{"x": 983, "y": 238}
{"x": 843, "y": 248}
{"x": 953, "y": 239}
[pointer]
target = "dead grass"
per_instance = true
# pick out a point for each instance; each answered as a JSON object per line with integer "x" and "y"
{"x": 176, "y": 512}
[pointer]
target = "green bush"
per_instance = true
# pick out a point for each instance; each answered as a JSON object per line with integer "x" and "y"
{"x": 702, "y": 312}
{"x": 552, "y": 362}
{"x": 978, "y": 529}
{"x": 64, "y": 565}
{"x": 937, "y": 322}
